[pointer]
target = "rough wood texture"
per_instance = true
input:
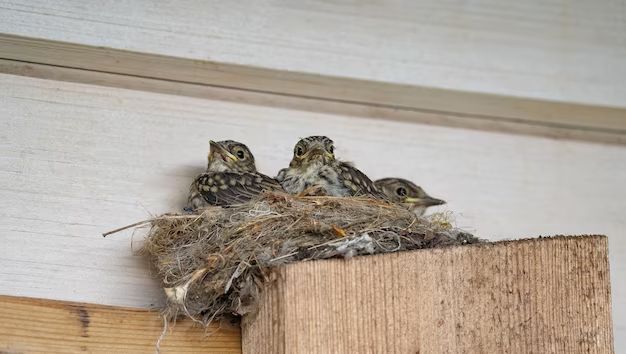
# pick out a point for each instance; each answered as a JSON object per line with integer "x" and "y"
{"x": 530, "y": 296}
{"x": 45, "y": 326}
{"x": 77, "y": 160}
{"x": 554, "y": 50}
{"x": 139, "y": 71}
{"x": 191, "y": 77}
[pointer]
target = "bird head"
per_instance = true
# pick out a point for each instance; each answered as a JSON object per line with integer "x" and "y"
{"x": 229, "y": 155}
{"x": 405, "y": 192}
{"x": 312, "y": 150}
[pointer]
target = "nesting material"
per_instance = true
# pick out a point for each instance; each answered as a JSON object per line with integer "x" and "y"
{"x": 215, "y": 263}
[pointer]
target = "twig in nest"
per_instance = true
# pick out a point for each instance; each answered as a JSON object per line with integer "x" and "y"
{"x": 149, "y": 221}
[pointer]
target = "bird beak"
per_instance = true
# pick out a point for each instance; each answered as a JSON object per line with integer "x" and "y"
{"x": 216, "y": 148}
{"x": 314, "y": 152}
{"x": 425, "y": 202}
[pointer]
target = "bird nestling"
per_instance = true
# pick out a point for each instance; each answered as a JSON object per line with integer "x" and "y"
{"x": 230, "y": 156}
{"x": 407, "y": 193}
{"x": 314, "y": 165}
{"x": 231, "y": 177}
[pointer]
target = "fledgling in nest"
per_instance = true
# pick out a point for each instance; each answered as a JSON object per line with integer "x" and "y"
{"x": 314, "y": 165}
{"x": 407, "y": 193}
{"x": 231, "y": 177}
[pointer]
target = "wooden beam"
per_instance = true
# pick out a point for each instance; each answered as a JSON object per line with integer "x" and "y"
{"x": 569, "y": 51}
{"x": 529, "y": 296}
{"x": 35, "y": 325}
{"x": 319, "y": 105}
{"x": 406, "y": 102}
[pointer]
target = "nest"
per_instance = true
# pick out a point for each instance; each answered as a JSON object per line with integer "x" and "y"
{"x": 214, "y": 264}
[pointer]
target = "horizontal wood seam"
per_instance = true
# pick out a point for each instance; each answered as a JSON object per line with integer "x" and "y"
{"x": 471, "y": 106}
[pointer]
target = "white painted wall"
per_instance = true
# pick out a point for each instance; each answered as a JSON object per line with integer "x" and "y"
{"x": 77, "y": 160}
{"x": 566, "y": 50}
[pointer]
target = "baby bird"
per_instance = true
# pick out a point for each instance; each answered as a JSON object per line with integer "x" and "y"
{"x": 230, "y": 178}
{"x": 314, "y": 165}
{"x": 407, "y": 193}
{"x": 230, "y": 156}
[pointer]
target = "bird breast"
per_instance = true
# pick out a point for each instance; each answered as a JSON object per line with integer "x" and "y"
{"x": 295, "y": 181}
{"x": 218, "y": 165}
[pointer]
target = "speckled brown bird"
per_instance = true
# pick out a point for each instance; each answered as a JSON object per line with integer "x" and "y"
{"x": 407, "y": 193}
{"x": 314, "y": 165}
{"x": 231, "y": 177}
{"x": 230, "y": 156}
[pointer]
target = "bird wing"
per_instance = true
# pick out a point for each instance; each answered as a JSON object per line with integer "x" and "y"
{"x": 232, "y": 188}
{"x": 358, "y": 182}
{"x": 281, "y": 174}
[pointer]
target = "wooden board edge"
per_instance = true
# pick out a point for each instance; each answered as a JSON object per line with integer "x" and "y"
{"x": 440, "y": 106}
{"x": 42, "y": 325}
{"x": 81, "y": 76}
{"x": 602, "y": 242}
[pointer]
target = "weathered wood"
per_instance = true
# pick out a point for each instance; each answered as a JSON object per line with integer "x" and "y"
{"x": 30, "y": 325}
{"x": 505, "y": 113}
{"x": 552, "y": 50}
{"x": 298, "y": 91}
{"x": 530, "y": 296}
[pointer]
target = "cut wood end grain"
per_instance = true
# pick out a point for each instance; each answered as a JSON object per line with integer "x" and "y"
{"x": 535, "y": 295}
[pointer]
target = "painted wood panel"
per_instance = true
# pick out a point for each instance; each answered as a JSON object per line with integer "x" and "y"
{"x": 77, "y": 160}
{"x": 138, "y": 71}
{"x": 555, "y": 50}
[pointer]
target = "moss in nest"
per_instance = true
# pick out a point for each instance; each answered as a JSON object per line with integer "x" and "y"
{"x": 215, "y": 263}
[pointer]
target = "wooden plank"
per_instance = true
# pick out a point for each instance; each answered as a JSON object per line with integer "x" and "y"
{"x": 44, "y": 326}
{"x": 465, "y": 109}
{"x": 570, "y": 130}
{"x": 531, "y": 296}
{"x": 566, "y": 51}
{"x": 77, "y": 160}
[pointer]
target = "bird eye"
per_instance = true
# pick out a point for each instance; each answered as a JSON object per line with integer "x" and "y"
{"x": 401, "y": 191}
{"x": 240, "y": 154}
{"x": 331, "y": 149}
{"x": 299, "y": 151}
